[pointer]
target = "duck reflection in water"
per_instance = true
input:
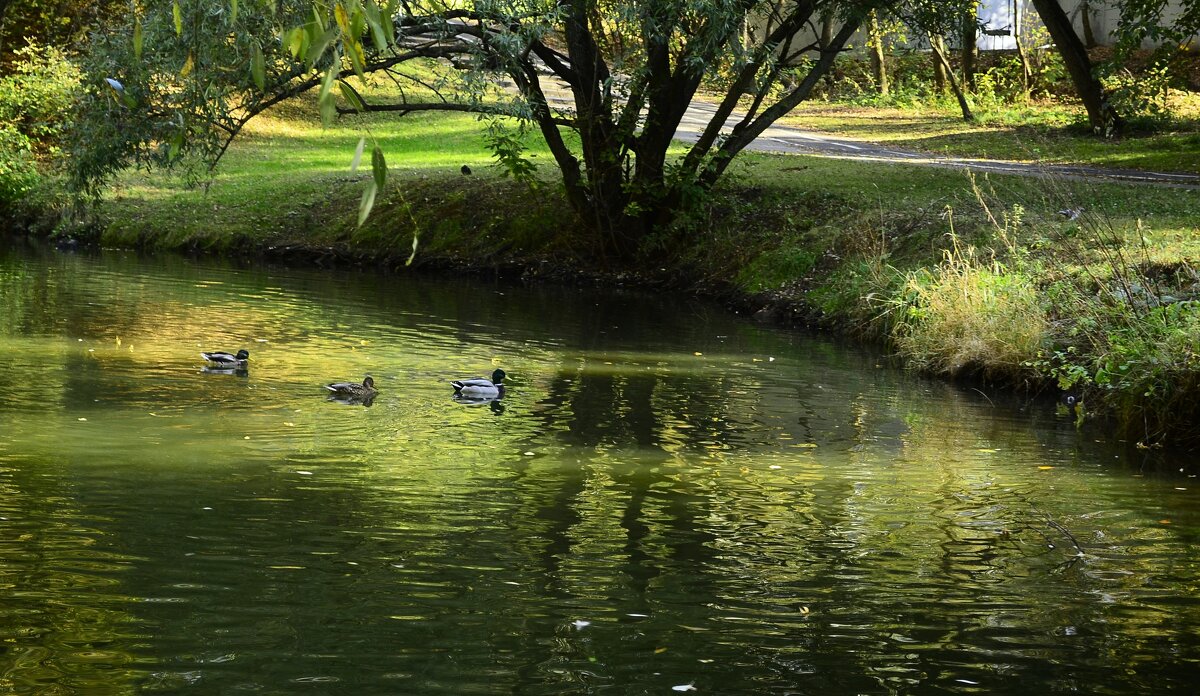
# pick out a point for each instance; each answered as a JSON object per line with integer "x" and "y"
{"x": 354, "y": 400}
{"x": 494, "y": 403}
{"x": 235, "y": 370}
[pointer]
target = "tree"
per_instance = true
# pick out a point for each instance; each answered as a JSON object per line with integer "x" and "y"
{"x": 1103, "y": 119}
{"x": 57, "y": 23}
{"x": 934, "y": 19}
{"x": 191, "y": 74}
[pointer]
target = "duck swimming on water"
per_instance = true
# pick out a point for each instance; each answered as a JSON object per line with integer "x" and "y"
{"x": 478, "y": 387}
{"x": 222, "y": 359}
{"x": 354, "y": 389}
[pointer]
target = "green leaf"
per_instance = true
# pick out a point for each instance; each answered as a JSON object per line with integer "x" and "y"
{"x": 368, "y": 202}
{"x": 258, "y": 69}
{"x": 293, "y": 40}
{"x": 177, "y": 13}
{"x": 175, "y": 146}
{"x": 327, "y": 82}
{"x": 378, "y": 167}
{"x": 351, "y": 97}
{"x": 233, "y": 11}
{"x": 376, "y": 24}
{"x": 325, "y": 99}
{"x": 357, "y": 58}
{"x": 137, "y": 39}
{"x": 358, "y": 153}
{"x": 389, "y": 11}
{"x": 319, "y": 44}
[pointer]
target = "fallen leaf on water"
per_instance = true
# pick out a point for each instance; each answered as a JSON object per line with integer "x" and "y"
{"x": 302, "y": 472}
{"x": 1045, "y": 468}
{"x": 82, "y": 419}
{"x": 697, "y": 353}
{"x": 289, "y": 424}
{"x": 1164, "y": 521}
{"x": 659, "y": 651}
{"x": 684, "y": 687}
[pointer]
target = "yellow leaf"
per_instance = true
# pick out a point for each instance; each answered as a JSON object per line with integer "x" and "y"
{"x": 1045, "y": 468}
{"x": 188, "y": 65}
{"x": 659, "y": 651}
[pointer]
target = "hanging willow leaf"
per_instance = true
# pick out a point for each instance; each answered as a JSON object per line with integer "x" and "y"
{"x": 343, "y": 19}
{"x": 258, "y": 69}
{"x": 358, "y": 153}
{"x": 233, "y": 11}
{"x": 188, "y": 65}
{"x": 177, "y": 13}
{"x": 351, "y": 97}
{"x": 376, "y": 23}
{"x": 137, "y": 39}
{"x": 368, "y": 202}
{"x": 378, "y": 167}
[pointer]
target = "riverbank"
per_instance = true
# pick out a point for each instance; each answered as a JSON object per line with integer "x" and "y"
{"x": 960, "y": 276}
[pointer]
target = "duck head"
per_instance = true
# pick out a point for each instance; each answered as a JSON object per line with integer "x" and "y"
{"x": 498, "y": 376}
{"x": 243, "y": 354}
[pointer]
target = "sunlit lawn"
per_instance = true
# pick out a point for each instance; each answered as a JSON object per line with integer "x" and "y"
{"x": 1035, "y": 133}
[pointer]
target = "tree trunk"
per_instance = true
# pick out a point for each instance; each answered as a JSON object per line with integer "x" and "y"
{"x": 826, "y": 30}
{"x": 1026, "y": 70}
{"x": 1085, "y": 18}
{"x": 939, "y": 53}
{"x": 1101, "y": 116}
{"x": 937, "y": 49}
{"x": 970, "y": 49}
{"x": 878, "y": 63}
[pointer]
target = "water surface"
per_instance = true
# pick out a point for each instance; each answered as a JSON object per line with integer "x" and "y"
{"x": 669, "y": 496}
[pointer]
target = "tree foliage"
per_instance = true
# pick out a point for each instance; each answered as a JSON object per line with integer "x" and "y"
{"x": 58, "y": 23}
{"x": 182, "y": 77}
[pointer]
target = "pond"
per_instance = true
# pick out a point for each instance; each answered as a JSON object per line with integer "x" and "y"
{"x": 668, "y": 498}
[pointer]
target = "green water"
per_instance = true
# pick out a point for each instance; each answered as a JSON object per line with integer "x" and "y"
{"x": 668, "y": 497}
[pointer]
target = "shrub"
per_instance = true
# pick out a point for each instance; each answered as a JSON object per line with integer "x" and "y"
{"x": 35, "y": 103}
{"x": 968, "y": 315}
{"x": 18, "y": 173}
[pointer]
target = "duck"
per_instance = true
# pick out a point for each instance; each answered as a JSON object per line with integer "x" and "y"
{"x": 353, "y": 389}
{"x": 478, "y": 387}
{"x": 223, "y": 359}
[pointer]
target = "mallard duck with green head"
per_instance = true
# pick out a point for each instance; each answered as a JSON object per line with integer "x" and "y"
{"x": 480, "y": 388}
{"x": 220, "y": 358}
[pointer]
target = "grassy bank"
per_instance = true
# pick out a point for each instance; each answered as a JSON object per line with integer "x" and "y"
{"x": 960, "y": 276}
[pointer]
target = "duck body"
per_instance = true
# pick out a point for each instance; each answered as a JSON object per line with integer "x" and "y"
{"x": 478, "y": 387}
{"x": 354, "y": 389}
{"x": 229, "y": 360}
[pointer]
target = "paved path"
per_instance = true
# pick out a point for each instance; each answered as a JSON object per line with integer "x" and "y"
{"x": 789, "y": 140}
